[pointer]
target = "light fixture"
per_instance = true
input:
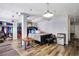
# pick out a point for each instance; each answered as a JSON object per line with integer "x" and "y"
{"x": 48, "y": 14}
{"x": 18, "y": 13}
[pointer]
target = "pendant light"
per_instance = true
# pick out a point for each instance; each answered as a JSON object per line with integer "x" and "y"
{"x": 48, "y": 14}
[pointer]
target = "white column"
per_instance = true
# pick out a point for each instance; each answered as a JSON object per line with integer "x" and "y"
{"x": 4, "y": 24}
{"x": 15, "y": 29}
{"x": 24, "y": 26}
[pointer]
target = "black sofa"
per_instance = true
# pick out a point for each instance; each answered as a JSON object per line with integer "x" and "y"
{"x": 47, "y": 38}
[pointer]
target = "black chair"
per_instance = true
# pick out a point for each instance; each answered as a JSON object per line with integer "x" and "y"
{"x": 51, "y": 39}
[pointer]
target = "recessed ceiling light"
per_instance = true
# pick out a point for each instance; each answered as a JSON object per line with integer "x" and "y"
{"x": 30, "y": 9}
{"x": 18, "y": 13}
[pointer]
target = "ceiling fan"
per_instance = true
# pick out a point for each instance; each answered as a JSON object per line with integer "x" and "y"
{"x": 47, "y": 14}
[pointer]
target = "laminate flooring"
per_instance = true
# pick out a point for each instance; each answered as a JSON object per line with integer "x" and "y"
{"x": 47, "y": 50}
{"x": 7, "y": 50}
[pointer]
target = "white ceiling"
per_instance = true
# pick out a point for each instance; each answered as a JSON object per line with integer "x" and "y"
{"x": 10, "y": 9}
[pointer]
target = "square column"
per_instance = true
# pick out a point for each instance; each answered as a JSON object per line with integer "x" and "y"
{"x": 24, "y": 26}
{"x": 15, "y": 29}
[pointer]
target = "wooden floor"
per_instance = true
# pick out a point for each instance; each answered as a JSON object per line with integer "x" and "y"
{"x": 7, "y": 50}
{"x": 47, "y": 50}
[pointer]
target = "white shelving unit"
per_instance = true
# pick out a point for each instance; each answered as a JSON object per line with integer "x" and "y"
{"x": 61, "y": 37}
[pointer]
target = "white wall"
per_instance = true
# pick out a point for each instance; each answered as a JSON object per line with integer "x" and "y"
{"x": 6, "y": 19}
{"x": 56, "y": 25}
